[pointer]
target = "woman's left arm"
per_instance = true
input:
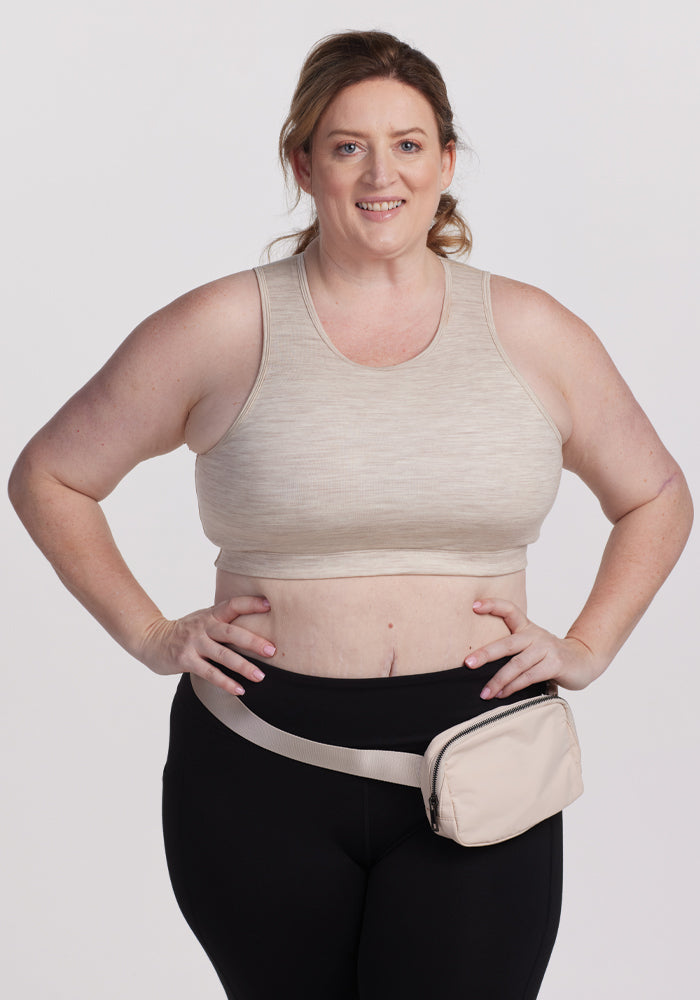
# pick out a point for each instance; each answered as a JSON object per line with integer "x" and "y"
{"x": 614, "y": 449}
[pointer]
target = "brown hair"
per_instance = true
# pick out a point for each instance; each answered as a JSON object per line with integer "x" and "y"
{"x": 349, "y": 57}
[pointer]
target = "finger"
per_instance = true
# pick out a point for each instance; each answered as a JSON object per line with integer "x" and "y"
{"x": 507, "y": 645}
{"x": 520, "y": 672}
{"x": 230, "y": 659}
{"x": 511, "y": 614}
{"x": 212, "y": 675}
{"x": 236, "y": 635}
{"x": 228, "y": 610}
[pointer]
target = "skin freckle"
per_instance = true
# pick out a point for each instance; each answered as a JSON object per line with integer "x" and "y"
{"x": 391, "y": 624}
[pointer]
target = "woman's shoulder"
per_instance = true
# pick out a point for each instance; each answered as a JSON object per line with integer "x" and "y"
{"x": 180, "y": 371}
{"x": 206, "y": 331}
{"x": 520, "y": 300}
{"x": 532, "y": 319}
{"x": 200, "y": 333}
{"x": 517, "y": 299}
{"x": 231, "y": 299}
{"x": 241, "y": 290}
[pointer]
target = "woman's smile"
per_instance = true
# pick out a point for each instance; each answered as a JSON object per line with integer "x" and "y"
{"x": 381, "y": 211}
{"x": 379, "y": 206}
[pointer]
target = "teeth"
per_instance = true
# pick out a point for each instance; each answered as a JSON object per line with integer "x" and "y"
{"x": 379, "y": 206}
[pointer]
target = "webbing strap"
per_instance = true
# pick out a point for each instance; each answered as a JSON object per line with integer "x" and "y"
{"x": 386, "y": 765}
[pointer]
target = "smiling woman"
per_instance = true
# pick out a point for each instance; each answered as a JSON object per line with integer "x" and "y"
{"x": 380, "y": 432}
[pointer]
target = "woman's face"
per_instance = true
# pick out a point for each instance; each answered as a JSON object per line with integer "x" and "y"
{"x": 376, "y": 169}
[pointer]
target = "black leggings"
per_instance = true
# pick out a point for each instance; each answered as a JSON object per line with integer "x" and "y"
{"x": 308, "y": 884}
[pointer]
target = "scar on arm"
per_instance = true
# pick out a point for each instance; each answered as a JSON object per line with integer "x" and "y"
{"x": 667, "y": 482}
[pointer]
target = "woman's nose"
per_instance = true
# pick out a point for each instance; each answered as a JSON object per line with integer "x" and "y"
{"x": 380, "y": 168}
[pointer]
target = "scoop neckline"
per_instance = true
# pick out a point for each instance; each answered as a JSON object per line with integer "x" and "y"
{"x": 429, "y": 347}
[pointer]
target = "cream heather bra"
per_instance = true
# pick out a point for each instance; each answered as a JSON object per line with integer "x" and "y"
{"x": 444, "y": 464}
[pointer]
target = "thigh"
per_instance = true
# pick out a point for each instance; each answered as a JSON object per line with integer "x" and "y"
{"x": 445, "y": 920}
{"x": 261, "y": 867}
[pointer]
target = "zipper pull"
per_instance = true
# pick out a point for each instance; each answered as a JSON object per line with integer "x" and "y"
{"x": 433, "y": 803}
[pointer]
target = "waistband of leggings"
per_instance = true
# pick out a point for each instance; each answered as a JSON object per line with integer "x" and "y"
{"x": 402, "y": 712}
{"x": 426, "y": 679}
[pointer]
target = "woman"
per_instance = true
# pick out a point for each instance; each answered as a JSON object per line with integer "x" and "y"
{"x": 380, "y": 432}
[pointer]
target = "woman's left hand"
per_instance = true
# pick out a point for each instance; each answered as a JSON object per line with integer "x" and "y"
{"x": 536, "y": 655}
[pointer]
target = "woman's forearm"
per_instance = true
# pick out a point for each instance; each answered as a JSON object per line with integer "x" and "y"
{"x": 72, "y": 532}
{"x": 643, "y": 547}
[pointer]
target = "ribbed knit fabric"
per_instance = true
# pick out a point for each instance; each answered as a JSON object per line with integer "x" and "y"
{"x": 444, "y": 464}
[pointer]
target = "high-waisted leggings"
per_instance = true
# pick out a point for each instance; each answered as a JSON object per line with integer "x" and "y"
{"x": 308, "y": 884}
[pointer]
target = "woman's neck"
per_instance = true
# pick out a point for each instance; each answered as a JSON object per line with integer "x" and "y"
{"x": 343, "y": 273}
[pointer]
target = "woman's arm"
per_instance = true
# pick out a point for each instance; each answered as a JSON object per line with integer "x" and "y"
{"x": 611, "y": 445}
{"x": 161, "y": 388}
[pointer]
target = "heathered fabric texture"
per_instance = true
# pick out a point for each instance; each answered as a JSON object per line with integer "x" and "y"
{"x": 444, "y": 464}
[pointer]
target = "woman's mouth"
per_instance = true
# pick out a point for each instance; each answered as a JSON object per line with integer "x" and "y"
{"x": 379, "y": 206}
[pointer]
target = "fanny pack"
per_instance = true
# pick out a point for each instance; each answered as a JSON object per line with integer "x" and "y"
{"x": 483, "y": 781}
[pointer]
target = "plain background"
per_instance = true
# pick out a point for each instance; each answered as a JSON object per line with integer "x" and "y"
{"x": 141, "y": 161}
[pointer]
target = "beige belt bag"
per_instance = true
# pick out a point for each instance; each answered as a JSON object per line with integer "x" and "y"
{"x": 483, "y": 781}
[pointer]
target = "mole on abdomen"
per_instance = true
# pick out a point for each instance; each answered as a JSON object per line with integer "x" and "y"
{"x": 391, "y": 624}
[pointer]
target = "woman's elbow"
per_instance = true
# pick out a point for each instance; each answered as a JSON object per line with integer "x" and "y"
{"x": 25, "y": 482}
{"x": 18, "y": 483}
{"x": 676, "y": 503}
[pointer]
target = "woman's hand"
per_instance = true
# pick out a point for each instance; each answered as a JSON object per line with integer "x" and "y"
{"x": 536, "y": 655}
{"x": 187, "y": 645}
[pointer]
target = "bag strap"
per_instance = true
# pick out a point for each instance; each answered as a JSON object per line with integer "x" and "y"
{"x": 396, "y": 766}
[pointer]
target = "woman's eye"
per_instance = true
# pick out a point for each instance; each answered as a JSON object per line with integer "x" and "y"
{"x": 348, "y": 148}
{"x": 409, "y": 146}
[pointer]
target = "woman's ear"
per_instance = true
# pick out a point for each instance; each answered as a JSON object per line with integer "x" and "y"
{"x": 449, "y": 161}
{"x": 301, "y": 165}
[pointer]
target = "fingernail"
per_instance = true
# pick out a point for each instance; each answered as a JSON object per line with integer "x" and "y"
{"x": 269, "y": 649}
{"x": 486, "y": 693}
{"x": 266, "y": 602}
{"x": 258, "y": 674}
{"x": 476, "y": 604}
{"x": 470, "y": 661}
{"x": 239, "y": 689}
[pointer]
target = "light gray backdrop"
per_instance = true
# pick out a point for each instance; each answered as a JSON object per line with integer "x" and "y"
{"x": 141, "y": 163}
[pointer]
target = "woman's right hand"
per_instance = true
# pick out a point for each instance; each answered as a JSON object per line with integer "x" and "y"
{"x": 190, "y": 644}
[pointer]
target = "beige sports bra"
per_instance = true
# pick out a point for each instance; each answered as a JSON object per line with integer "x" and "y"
{"x": 444, "y": 464}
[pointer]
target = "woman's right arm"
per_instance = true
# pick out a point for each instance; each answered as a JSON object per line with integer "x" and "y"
{"x": 164, "y": 386}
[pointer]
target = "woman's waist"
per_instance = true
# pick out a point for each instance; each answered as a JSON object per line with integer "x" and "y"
{"x": 373, "y": 626}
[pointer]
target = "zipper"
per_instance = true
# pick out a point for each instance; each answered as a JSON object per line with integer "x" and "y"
{"x": 479, "y": 723}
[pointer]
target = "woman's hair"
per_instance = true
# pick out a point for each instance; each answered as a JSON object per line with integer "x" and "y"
{"x": 349, "y": 57}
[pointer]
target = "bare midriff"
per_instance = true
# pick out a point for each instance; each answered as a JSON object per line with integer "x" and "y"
{"x": 373, "y": 626}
